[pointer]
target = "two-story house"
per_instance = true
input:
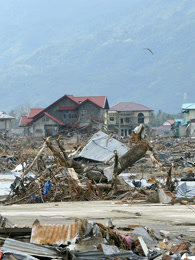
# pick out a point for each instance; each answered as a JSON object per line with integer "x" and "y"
{"x": 125, "y": 116}
{"x": 66, "y": 113}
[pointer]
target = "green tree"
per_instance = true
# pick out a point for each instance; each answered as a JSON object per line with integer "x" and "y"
{"x": 161, "y": 117}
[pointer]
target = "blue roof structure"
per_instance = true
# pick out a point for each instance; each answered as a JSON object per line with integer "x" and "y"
{"x": 188, "y": 106}
{"x": 181, "y": 121}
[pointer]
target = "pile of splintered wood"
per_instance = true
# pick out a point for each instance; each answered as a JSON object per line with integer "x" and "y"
{"x": 70, "y": 179}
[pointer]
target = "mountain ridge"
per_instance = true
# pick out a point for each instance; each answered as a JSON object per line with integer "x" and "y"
{"x": 104, "y": 55}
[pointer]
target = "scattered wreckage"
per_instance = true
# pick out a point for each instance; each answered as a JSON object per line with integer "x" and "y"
{"x": 87, "y": 240}
{"x": 152, "y": 170}
{"x": 96, "y": 171}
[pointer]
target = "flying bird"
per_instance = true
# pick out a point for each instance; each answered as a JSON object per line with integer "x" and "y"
{"x": 148, "y": 50}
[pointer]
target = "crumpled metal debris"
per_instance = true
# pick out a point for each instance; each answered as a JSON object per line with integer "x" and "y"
{"x": 185, "y": 191}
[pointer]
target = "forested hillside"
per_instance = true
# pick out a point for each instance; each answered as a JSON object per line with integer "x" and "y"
{"x": 52, "y": 48}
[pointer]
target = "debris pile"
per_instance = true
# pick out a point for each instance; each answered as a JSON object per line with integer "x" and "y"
{"x": 85, "y": 239}
{"x": 55, "y": 174}
{"x": 153, "y": 170}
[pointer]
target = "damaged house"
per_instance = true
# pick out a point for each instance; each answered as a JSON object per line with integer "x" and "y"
{"x": 125, "y": 116}
{"x": 186, "y": 127}
{"x": 189, "y": 110}
{"x": 5, "y": 123}
{"x": 66, "y": 114}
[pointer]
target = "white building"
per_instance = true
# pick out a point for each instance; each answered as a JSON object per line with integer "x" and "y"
{"x": 5, "y": 123}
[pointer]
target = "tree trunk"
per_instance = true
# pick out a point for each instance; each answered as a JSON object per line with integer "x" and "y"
{"x": 133, "y": 155}
{"x": 129, "y": 158}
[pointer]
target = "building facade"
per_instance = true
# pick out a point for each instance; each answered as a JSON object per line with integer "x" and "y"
{"x": 125, "y": 116}
{"x": 66, "y": 114}
{"x": 5, "y": 124}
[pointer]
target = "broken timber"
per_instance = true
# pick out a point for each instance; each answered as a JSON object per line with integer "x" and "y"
{"x": 129, "y": 158}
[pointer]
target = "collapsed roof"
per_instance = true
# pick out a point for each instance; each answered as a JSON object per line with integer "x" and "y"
{"x": 101, "y": 148}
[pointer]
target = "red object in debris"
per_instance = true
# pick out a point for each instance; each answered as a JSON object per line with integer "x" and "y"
{"x": 166, "y": 257}
{"x": 178, "y": 248}
{"x": 1, "y": 254}
{"x": 128, "y": 239}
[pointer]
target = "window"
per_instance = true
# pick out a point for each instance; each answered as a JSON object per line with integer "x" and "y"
{"x": 83, "y": 113}
{"x": 129, "y": 131}
{"x": 125, "y": 132}
{"x": 45, "y": 119}
{"x": 127, "y": 119}
{"x": 122, "y": 132}
{"x": 70, "y": 115}
{"x": 121, "y": 120}
{"x": 111, "y": 118}
{"x": 140, "y": 118}
{"x": 65, "y": 115}
{"x": 40, "y": 131}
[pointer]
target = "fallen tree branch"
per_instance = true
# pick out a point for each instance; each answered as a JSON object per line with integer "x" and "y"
{"x": 16, "y": 201}
{"x": 33, "y": 162}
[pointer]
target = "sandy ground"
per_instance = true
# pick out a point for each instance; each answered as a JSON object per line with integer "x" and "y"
{"x": 179, "y": 219}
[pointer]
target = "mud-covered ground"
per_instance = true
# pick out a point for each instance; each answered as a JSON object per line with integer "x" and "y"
{"x": 177, "y": 220}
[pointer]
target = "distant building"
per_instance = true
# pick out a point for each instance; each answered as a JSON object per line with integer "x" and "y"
{"x": 125, "y": 116}
{"x": 189, "y": 110}
{"x": 186, "y": 127}
{"x": 5, "y": 123}
{"x": 165, "y": 128}
{"x": 66, "y": 114}
{"x": 168, "y": 122}
{"x": 180, "y": 128}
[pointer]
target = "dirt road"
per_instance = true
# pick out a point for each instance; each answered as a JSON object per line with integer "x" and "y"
{"x": 179, "y": 219}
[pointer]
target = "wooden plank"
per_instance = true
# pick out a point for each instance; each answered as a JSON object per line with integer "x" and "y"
{"x": 74, "y": 175}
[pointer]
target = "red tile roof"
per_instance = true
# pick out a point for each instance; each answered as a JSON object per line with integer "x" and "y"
{"x": 54, "y": 118}
{"x": 129, "y": 106}
{"x": 100, "y": 101}
{"x": 34, "y": 111}
{"x": 171, "y": 121}
{"x": 24, "y": 121}
{"x": 97, "y": 100}
{"x": 162, "y": 127}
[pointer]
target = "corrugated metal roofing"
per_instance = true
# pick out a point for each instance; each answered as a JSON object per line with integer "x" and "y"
{"x": 54, "y": 234}
{"x": 28, "y": 248}
{"x": 184, "y": 191}
{"x": 129, "y": 106}
{"x": 9, "y": 255}
{"x": 96, "y": 254}
{"x": 101, "y": 148}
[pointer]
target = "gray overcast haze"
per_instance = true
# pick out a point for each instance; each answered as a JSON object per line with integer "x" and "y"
{"x": 50, "y": 48}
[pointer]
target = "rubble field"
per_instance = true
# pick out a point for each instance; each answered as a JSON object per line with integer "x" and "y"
{"x": 106, "y": 198}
